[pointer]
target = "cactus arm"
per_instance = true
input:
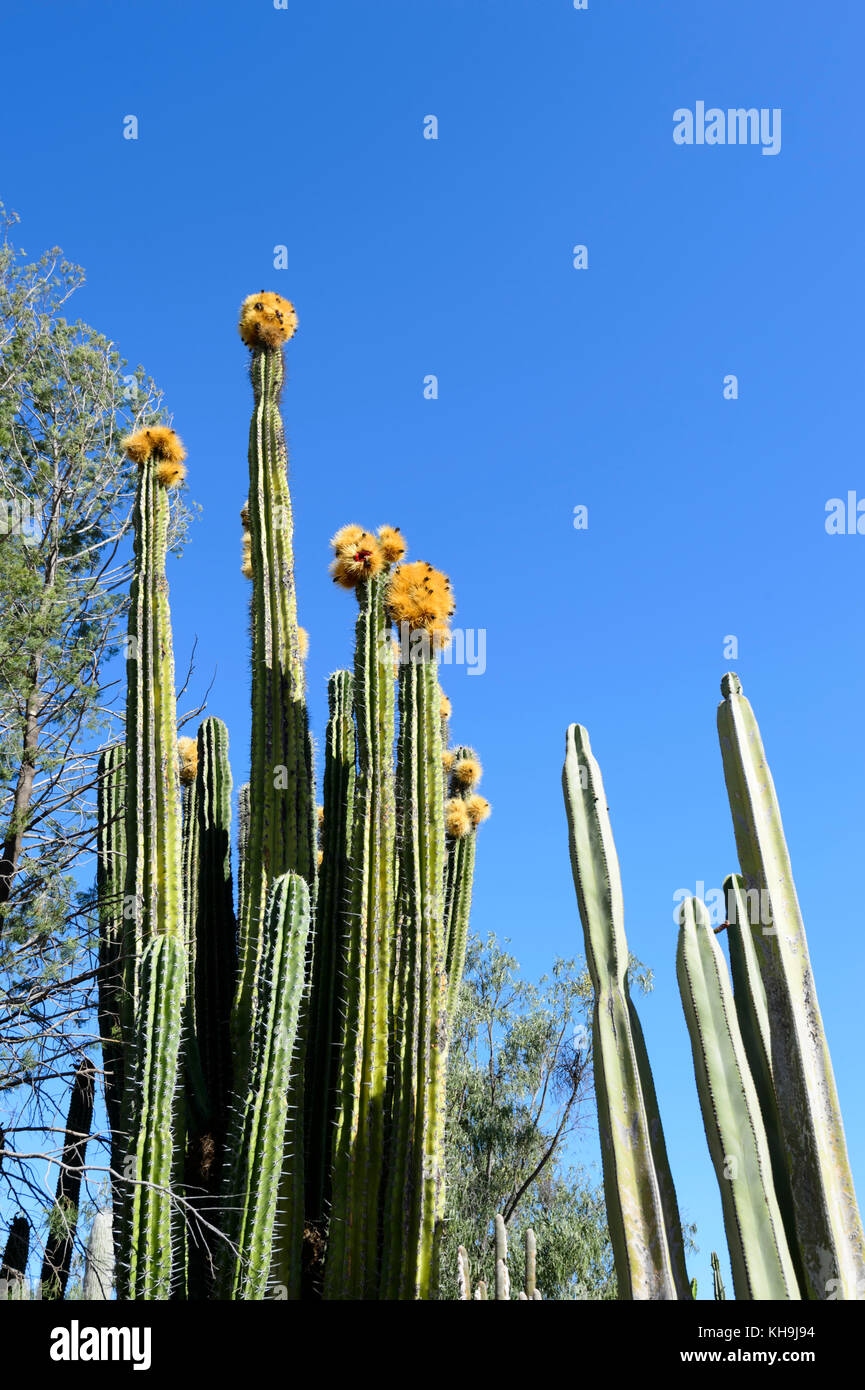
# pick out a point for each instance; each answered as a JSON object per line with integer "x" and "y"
{"x": 110, "y": 883}
{"x": 717, "y": 1281}
{"x": 416, "y": 1184}
{"x": 828, "y": 1224}
{"x": 531, "y": 1264}
{"x": 503, "y": 1281}
{"x": 642, "y": 1212}
{"x": 759, "y": 1254}
{"x": 252, "y": 1180}
{"x": 327, "y": 987}
{"x": 13, "y": 1265}
{"x": 749, "y": 996}
{"x": 359, "y": 1143}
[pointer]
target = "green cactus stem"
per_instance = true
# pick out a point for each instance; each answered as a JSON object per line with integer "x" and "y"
{"x": 717, "y": 1281}
{"x": 759, "y": 1253}
{"x": 415, "y": 1190}
{"x": 828, "y": 1224}
{"x": 642, "y": 1211}
{"x": 257, "y": 1136}
{"x": 358, "y": 1167}
{"x": 531, "y": 1264}
{"x": 13, "y": 1266}
{"x": 110, "y": 883}
{"x": 327, "y": 986}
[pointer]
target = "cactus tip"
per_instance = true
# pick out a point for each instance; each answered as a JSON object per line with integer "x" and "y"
{"x": 266, "y": 320}
{"x": 730, "y": 684}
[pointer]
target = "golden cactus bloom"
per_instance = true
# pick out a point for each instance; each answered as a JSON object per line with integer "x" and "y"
{"x": 244, "y": 516}
{"x": 467, "y": 772}
{"x": 479, "y": 809}
{"x": 246, "y": 562}
{"x": 303, "y": 642}
{"x": 357, "y": 556}
{"x": 448, "y": 759}
{"x": 392, "y": 544}
{"x": 422, "y": 598}
{"x": 445, "y": 707}
{"x": 319, "y": 815}
{"x": 164, "y": 446}
{"x": 266, "y": 320}
{"x": 187, "y": 752}
{"x": 457, "y": 819}
{"x": 320, "y": 858}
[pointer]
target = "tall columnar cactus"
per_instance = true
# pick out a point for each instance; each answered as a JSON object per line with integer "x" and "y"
{"x": 759, "y": 1253}
{"x": 717, "y": 1280}
{"x": 252, "y": 1179}
{"x": 328, "y": 983}
{"x": 153, "y": 945}
{"x": 187, "y": 753}
{"x": 828, "y": 1224}
{"x": 99, "y": 1262}
{"x": 642, "y": 1211}
{"x": 63, "y": 1218}
{"x": 110, "y": 885}
{"x": 362, "y": 563}
{"x": 465, "y": 810}
{"x": 419, "y": 602}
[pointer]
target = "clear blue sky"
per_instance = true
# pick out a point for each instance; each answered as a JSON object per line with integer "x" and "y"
{"x": 558, "y": 387}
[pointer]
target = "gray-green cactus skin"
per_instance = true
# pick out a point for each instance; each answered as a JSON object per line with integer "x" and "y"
{"x": 828, "y": 1224}
{"x": 642, "y": 1211}
{"x": 98, "y": 1280}
{"x": 759, "y": 1254}
{"x": 330, "y": 964}
{"x": 717, "y": 1281}
{"x": 359, "y": 1142}
{"x": 749, "y": 995}
{"x": 459, "y": 882}
{"x": 257, "y": 1136}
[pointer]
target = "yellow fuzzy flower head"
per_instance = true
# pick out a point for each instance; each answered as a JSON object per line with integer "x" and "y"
{"x": 357, "y": 556}
{"x": 445, "y": 707}
{"x": 478, "y": 808}
{"x": 392, "y": 544}
{"x": 244, "y": 516}
{"x": 422, "y": 599}
{"x": 303, "y": 642}
{"x": 266, "y": 320}
{"x": 448, "y": 759}
{"x": 457, "y": 819}
{"x": 467, "y": 772}
{"x": 187, "y": 752}
{"x": 164, "y": 446}
{"x": 246, "y": 562}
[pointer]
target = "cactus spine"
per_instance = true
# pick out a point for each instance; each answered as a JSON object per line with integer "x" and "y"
{"x": 257, "y": 1137}
{"x": 110, "y": 883}
{"x": 642, "y": 1210}
{"x": 759, "y": 1254}
{"x": 828, "y": 1225}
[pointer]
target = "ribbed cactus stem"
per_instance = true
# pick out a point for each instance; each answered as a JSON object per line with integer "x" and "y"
{"x": 828, "y": 1224}
{"x": 242, "y": 837}
{"x": 717, "y": 1281}
{"x": 154, "y": 910}
{"x": 503, "y": 1280}
{"x": 13, "y": 1265}
{"x": 459, "y": 880}
{"x": 110, "y": 884}
{"x": 749, "y": 995}
{"x": 189, "y": 872}
{"x": 281, "y": 787}
{"x": 358, "y": 1169}
{"x": 464, "y": 1274}
{"x": 64, "y": 1214}
{"x": 415, "y": 1195}
{"x": 642, "y": 1211}
{"x": 257, "y": 1137}
{"x": 99, "y": 1261}
{"x": 759, "y": 1254}
{"x": 531, "y": 1264}
{"x": 328, "y": 983}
